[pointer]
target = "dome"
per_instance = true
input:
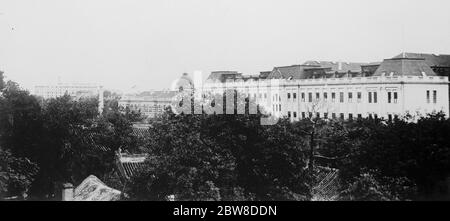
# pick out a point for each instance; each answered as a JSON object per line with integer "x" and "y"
{"x": 183, "y": 83}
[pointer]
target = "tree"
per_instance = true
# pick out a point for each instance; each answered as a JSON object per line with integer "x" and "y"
{"x": 16, "y": 175}
{"x": 221, "y": 157}
{"x": 2, "y": 81}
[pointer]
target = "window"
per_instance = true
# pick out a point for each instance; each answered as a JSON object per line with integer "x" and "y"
{"x": 389, "y": 117}
{"x": 333, "y": 115}
{"x": 333, "y": 97}
{"x": 295, "y": 96}
{"x": 434, "y": 97}
{"x": 360, "y": 116}
{"x": 389, "y": 97}
{"x": 310, "y": 115}
{"x": 375, "y": 97}
{"x": 317, "y": 115}
{"x": 376, "y": 116}
{"x": 370, "y": 97}
{"x": 428, "y": 97}
{"x": 303, "y": 115}
{"x": 359, "y": 97}
{"x": 279, "y": 98}
{"x": 303, "y": 97}
{"x": 279, "y": 107}
{"x": 295, "y": 114}
{"x": 288, "y": 96}
{"x": 341, "y": 97}
{"x": 325, "y": 96}
{"x": 325, "y": 115}
{"x": 289, "y": 114}
{"x": 317, "y": 96}
{"x": 350, "y": 116}
{"x": 310, "y": 97}
{"x": 342, "y": 116}
{"x": 350, "y": 97}
{"x": 395, "y": 97}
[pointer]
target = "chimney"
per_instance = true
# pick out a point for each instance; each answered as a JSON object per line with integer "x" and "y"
{"x": 67, "y": 192}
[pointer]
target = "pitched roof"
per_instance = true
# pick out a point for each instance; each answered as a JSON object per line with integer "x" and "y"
{"x": 130, "y": 164}
{"x": 432, "y": 60}
{"x": 93, "y": 189}
{"x": 404, "y": 67}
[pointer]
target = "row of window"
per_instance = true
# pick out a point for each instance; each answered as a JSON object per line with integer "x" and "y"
{"x": 305, "y": 115}
{"x": 371, "y": 96}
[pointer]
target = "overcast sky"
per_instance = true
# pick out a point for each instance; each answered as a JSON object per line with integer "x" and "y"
{"x": 150, "y": 43}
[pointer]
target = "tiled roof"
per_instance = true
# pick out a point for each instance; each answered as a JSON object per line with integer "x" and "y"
{"x": 432, "y": 60}
{"x": 328, "y": 185}
{"x": 130, "y": 164}
{"x": 404, "y": 67}
{"x": 93, "y": 189}
{"x": 141, "y": 130}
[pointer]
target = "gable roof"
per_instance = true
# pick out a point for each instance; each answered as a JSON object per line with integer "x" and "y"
{"x": 404, "y": 67}
{"x": 432, "y": 60}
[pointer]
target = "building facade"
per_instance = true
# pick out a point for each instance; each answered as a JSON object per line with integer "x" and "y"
{"x": 149, "y": 104}
{"x": 76, "y": 91}
{"x": 153, "y": 103}
{"x": 389, "y": 89}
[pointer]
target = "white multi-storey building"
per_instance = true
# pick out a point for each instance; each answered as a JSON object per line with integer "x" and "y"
{"x": 395, "y": 87}
{"x": 76, "y": 91}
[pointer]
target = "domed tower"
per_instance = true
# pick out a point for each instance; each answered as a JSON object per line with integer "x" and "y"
{"x": 183, "y": 84}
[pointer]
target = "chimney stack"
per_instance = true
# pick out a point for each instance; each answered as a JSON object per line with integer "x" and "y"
{"x": 67, "y": 192}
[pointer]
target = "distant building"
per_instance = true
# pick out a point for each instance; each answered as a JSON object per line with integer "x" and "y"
{"x": 76, "y": 91}
{"x": 153, "y": 103}
{"x": 408, "y": 83}
{"x": 149, "y": 104}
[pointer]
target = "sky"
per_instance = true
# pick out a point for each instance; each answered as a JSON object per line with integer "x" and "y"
{"x": 148, "y": 44}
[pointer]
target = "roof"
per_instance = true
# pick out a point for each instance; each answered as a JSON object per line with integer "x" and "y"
{"x": 327, "y": 184}
{"x": 293, "y": 71}
{"x": 264, "y": 74}
{"x": 404, "y": 67}
{"x": 184, "y": 82}
{"x": 338, "y": 66}
{"x": 93, "y": 189}
{"x": 432, "y": 60}
{"x": 130, "y": 164}
{"x": 222, "y": 76}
